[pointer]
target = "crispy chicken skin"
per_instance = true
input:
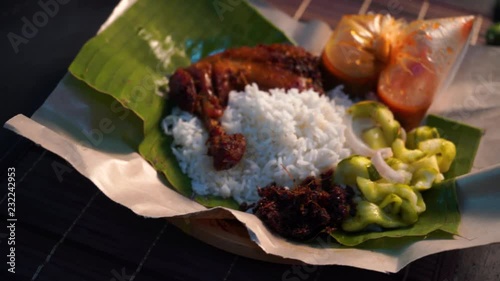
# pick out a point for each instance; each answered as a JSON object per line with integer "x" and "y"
{"x": 203, "y": 88}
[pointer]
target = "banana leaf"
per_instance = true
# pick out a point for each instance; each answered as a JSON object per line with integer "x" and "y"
{"x": 130, "y": 60}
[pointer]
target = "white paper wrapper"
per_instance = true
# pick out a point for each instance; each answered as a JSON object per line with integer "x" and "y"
{"x": 70, "y": 122}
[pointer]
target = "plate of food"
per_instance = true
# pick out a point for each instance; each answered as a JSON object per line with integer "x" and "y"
{"x": 272, "y": 138}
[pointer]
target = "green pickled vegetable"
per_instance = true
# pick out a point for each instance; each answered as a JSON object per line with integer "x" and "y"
{"x": 386, "y": 205}
{"x": 374, "y": 138}
{"x": 422, "y": 133}
{"x": 352, "y": 167}
{"x": 397, "y": 164}
{"x": 381, "y": 115}
{"x": 425, "y": 171}
{"x": 367, "y": 214}
{"x": 392, "y": 203}
{"x": 427, "y": 162}
{"x": 376, "y": 193}
{"x": 444, "y": 150}
{"x": 404, "y": 154}
{"x": 424, "y": 178}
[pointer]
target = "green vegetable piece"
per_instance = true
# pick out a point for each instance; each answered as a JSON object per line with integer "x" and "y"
{"x": 374, "y": 138}
{"x": 424, "y": 178}
{"x": 376, "y": 192}
{"x": 397, "y": 164}
{"x": 369, "y": 213}
{"x": 393, "y": 204}
{"x": 352, "y": 167}
{"x": 466, "y": 139}
{"x": 381, "y": 115}
{"x": 409, "y": 212}
{"x": 444, "y": 150}
{"x": 404, "y": 154}
{"x": 415, "y": 136}
{"x": 374, "y": 175}
{"x": 429, "y": 162}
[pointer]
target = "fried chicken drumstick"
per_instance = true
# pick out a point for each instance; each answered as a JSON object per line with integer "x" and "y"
{"x": 203, "y": 88}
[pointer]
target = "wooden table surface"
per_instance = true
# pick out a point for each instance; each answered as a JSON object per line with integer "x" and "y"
{"x": 67, "y": 229}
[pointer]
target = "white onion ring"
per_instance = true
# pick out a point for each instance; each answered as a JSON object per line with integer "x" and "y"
{"x": 385, "y": 170}
{"x": 377, "y": 156}
{"x": 359, "y": 146}
{"x": 385, "y": 152}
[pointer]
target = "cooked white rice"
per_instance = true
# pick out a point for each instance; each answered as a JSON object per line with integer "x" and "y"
{"x": 289, "y": 135}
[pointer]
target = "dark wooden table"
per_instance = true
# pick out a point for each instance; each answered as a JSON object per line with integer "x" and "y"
{"x": 66, "y": 229}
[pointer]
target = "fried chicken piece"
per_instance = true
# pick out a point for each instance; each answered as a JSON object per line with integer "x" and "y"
{"x": 203, "y": 88}
{"x": 314, "y": 206}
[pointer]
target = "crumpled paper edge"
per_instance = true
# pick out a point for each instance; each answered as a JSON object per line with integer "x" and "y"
{"x": 143, "y": 181}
